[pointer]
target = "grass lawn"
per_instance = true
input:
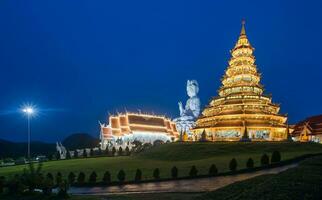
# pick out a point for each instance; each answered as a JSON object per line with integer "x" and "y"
{"x": 181, "y": 155}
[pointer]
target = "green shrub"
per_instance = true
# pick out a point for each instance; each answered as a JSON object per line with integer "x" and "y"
{"x": 68, "y": 155}
{"x": 107, "y": 177}
{"x": 193, "y": 171}
{"x": 84, "y": 153}
{"x": 92, "y": 177}
{"x": 2, "y": 182}
{"x": 59, "y": 178}
{"x": 81, "y": 178}
{"x": 113, "y": 151}
{"x": 50, "y": 176}
{"x": 213, "y": 170}
{"x": 276, "y": 157}
{"x": 264, "y": 159}
{"x": 174, "y": 172}
{"x": 75, "y": 154}
{"x": 62, "y": 190}
{"x": 138, "y": 175}
{"x": 250, "y": 163}
{"x": 156, "y": 174}
{"x": 233, "y": 165}
{"x": 120, "y": 152}
{"x": 107, "y": 152}
{"x": 91, "y": 153}
{"x": 71, "y": 178}
{"x": 47, "y": 185}
{"x": 127, "y": 151}
{"x": 121, "y": 176}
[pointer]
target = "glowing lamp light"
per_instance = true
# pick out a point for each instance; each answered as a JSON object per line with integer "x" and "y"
{"x": 28, "y": 110}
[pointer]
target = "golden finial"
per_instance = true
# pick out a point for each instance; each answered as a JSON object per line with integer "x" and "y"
{"x": 243, "y": 31}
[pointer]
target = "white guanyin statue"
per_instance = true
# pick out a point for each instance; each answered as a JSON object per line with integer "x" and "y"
{"x": 191, "y": 110}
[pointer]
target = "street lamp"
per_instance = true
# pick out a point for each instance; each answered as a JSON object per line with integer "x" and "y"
{"x": 29, "y": 111}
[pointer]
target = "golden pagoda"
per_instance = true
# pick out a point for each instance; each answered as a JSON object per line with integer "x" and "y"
{"x": 242, "y": 111}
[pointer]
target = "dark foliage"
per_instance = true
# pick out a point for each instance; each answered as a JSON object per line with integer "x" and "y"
{"x": 276, "y": 157}
{"x": 121, "y": 176}
{"x": 233, "y": 165}
{"x": 68, "y": 156}
{"x": 264, "y": 159}
{"x": 59, "y": 178}
{"x": 92, "y": 177}
{"x": 81, "y": 178}
{"x": 113, "y": 151}
{"x": 193, "y": 171}
{"x": 138, "y": 175}
{"x": 174, "y": 172}
{"x": 127, "y": 151}
{"x": 84, "y": 153}
{"x": 120, "y": 152}
{"x": 71, "y": 178}
{"x": 156, "y": 174}
{"x": 107, "y": 177}
{"x": 250, "y": 163}
{"x": 91, "y": 153}
{"x": 213, "y": 170}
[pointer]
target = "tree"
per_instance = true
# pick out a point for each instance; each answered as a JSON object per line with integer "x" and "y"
{"x": 264, "y": 159}
{"x": 120, "y": 152}
{"x": 92, "y": 177}
{"x": 2, "y": 182}
{"x": 59, "y": 178}
{"x": 75, "y": 154}
{"x": 68, "y": 156}
{"x": 276, "y": 157}
{"x": 156, "y": 174}
{"x": 81, "y": 178}
{"x": 113, "y": 151}
{"x": 57, "y": 155}
{"x": 47, "y": 185}
{"x": 121, "y": 176}
{"x": 193, "y": 171}
{"x": 174, "y": 172}
{"x": 233, "y": 165}
{"x": 107, "y": 152}
{"x": 138, "y": 175}
{"x": 84, "y": 153}
{"x": 250, "y": 163}
{"x": 71, "y": 178}
{"x": 213, "y": 170}
{"x": 99, "y": 153}
{"x": 91, "y": 152}
{"x": 50, "y": 176}
{"x": 62, "y": 190}
{"x": 107, "y": 177}
{"x": 203, "y": 136}
{"x": 127, "y": 151}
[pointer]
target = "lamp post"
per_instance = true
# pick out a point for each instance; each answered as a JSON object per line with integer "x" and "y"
{"x": 28, "y": 111}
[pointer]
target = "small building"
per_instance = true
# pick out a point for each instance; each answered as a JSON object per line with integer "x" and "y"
{"x": 129, "y": 127}
{"x": 308, "y": 130}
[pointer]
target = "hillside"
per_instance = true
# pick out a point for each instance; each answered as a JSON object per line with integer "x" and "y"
{"x": 80, "y": 141}
{"x": 17, "y": 149}
{"x": 181, "y": 155}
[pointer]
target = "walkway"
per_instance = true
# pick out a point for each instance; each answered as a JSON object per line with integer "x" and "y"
{"x": 189, "y": 185}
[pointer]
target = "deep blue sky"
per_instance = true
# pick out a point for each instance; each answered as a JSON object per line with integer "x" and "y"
{"x": 78, "y": 60}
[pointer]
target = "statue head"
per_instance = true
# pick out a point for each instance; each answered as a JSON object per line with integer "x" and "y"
{"x": 192, "y": 88}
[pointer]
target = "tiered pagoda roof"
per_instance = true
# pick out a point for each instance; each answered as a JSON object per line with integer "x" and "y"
{"x": 240, "y": 101}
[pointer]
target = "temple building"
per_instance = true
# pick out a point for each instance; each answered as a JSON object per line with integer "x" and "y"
{"x": 129, "y": 127}
{"x": 308, "y": 130}
{"x": 241, "y": 111}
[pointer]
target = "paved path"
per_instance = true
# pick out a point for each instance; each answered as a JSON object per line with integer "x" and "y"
{"x": 189, "y": 185}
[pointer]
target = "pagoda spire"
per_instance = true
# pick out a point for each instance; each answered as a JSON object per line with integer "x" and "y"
{"x": 243, "y": 31}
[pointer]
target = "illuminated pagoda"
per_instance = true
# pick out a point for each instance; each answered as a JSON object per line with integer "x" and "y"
{"x": 242, "y": 112}
{"x": 130, "y": 127}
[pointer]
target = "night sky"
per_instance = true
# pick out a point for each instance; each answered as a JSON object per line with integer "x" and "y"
{"x": 77, "y": 60}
